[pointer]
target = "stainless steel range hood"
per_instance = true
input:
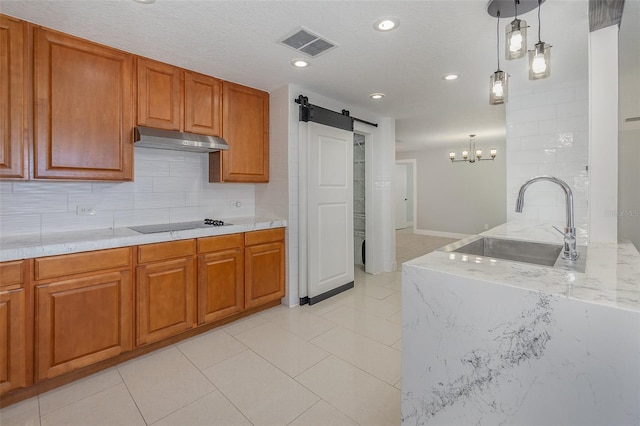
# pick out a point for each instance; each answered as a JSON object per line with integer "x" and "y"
{"x": 177, "y": 141}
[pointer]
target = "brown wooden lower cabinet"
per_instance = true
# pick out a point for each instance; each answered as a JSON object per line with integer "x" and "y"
{"x": 220, "y": 277}
{"x": 165, "y": 290}
{"x": 81, "y": 305}
{"x": 264, "y": 260}
{"x": 12, "y": 340}
{"x": 81, "y": 321}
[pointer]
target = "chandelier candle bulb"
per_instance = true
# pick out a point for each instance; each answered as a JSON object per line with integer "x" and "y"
{"x": 478, "y": 153}
{"x": 452, "y": 156}
{"x": 493, "y": 152}
{"x": 465, "y": 154}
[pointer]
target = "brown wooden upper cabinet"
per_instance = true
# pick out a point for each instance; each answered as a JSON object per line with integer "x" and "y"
{"x": 245, "y": 127}
{"x": 83, "y": 114}
{"x": 175, "y": 99}
{"x": 14, "y": 89}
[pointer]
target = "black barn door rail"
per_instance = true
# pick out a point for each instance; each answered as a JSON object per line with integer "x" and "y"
{"x": 316, "y": 114}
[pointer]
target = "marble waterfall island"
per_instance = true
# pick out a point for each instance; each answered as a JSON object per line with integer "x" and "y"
{"x": 489, "y": 342}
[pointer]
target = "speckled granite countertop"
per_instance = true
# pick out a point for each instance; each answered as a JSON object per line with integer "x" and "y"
{"x": 37, "y": 245}
{"x": 612, "y": 275}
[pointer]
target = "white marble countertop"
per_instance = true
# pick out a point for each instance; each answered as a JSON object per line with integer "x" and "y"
{"x": 39, "y": 245}
{"x": 612, "y": 275}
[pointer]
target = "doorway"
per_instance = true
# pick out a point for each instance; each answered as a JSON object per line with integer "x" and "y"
{"x": 405, "y": 194}
{"x": 359, "y": 200}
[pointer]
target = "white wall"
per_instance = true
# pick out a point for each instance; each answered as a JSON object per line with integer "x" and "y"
{"x": 458, "y": 198}
{"x": 603, "y": 134}
{"x": 629, "y": 136}
{"x": 169, "y": 186}
{"x": 548, "y": 134}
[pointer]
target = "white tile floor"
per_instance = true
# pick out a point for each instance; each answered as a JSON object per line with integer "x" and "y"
{"x": 334, "y": 363}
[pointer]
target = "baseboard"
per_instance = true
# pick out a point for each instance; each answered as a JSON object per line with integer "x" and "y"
{"x": 440, "y": 233}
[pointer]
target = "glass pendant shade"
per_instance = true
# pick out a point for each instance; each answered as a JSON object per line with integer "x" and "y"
{"x": 516, "y": 39}
{"x": 498, "y": 88}
{"x": 540, "y": 61}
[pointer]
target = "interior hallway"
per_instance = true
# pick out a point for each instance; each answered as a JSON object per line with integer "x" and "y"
{"x": 334, "y": 363}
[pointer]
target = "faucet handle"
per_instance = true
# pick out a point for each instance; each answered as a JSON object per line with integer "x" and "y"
{"x": 556, "y": 228}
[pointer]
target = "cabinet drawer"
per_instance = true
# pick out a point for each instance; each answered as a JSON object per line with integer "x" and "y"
{"x": 78, "y": 263}
{"x": 12, "y": 274}
{"x": 222, "y": 242}
{"x": 266, "y": 236}
{"x": 168, "y": 250}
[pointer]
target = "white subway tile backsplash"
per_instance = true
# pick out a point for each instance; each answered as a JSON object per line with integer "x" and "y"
{"x": 19, "y": 224}
{"x": 168, "y": 186}
{"x": 176, "y": 184}
{"x": 150, "y": 168}
{"x": 553, "y": 143}
{"x": 50, "y": 187}
{"x": 102, "y": 201}
{"x": 69, "y": 221}
{"x": 124, "y": 218}
{"x": 155, "y": 200}
{"x": 546, "y": 112}
{"x": 33, "y": 202}
{"x": 573, "y": 109}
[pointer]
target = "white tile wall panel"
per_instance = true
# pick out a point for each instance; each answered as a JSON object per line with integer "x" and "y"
{"x": 176, "y": 184}
{"x": 33, "y": 202}
{"x": 178, "y": 179}
{"x": 103, "y": 201}
{"x": 151, "y": 168}
{"x": 20, "y": 224}
{"x": 186, "y": 169}
{"x": 151, "y": 200}
{"x": 124, "y": 218}
{"x": 547, "y": 134}
{"x": 150, "y": 154}
{"x": 49, "y": 187}
{"x": 6, "y": 186}
{"x": 69, "y": 221}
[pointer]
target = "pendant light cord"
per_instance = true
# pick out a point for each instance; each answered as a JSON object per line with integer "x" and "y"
{"x": 539, "y": 4}
{"x": 498, "y": 39}
{"x": 516, "y": 7}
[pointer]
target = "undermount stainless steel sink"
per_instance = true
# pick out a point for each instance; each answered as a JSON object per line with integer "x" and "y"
{"x": 543, "y": 254}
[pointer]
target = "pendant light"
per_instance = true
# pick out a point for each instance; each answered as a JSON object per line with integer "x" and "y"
{"x": 540, "y": 56}
{"x": 498, "y": 88}
{"x": 516, "y": 37}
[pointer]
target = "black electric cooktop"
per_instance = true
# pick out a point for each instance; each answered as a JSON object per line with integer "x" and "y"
{"x": 180, "y": 226}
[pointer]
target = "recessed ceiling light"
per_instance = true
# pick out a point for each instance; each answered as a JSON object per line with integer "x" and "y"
{"x": 299, "y": 63}
{"x": 386, "y": 24}
{"x": 450, "y": 76}
{"x": 145, "y": 1}
{"x": 376, "y": 95}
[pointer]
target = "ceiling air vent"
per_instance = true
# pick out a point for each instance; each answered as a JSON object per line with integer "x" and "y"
{"x": 306, "y": 42}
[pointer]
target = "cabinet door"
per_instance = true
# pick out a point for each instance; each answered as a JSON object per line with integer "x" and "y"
{"x": 202, "y": 105}
{"x": 84, "y": 109}
{"x": 245, "y": 126}
{"x": 264, "y": 273}
{"x": 81, "y": 321}
{"x": 159, "y": 95}
{"x": 165, "y": 299}
{"x": 220, "y": 284}
{"x": 14, "y": 83}
{"x": 12, "y": 340}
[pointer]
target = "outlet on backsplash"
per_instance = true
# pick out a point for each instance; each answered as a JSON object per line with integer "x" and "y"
{"x": 85, "y": 210}
{"x": 236, "y": 204}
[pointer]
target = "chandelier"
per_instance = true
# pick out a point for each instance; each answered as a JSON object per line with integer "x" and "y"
{"x": 476, "y": 153}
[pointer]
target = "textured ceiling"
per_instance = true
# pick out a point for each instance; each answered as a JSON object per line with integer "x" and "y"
{"x": 238, "y": 41}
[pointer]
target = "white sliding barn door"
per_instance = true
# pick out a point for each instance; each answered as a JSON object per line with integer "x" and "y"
{"x": 330, "y": 261}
